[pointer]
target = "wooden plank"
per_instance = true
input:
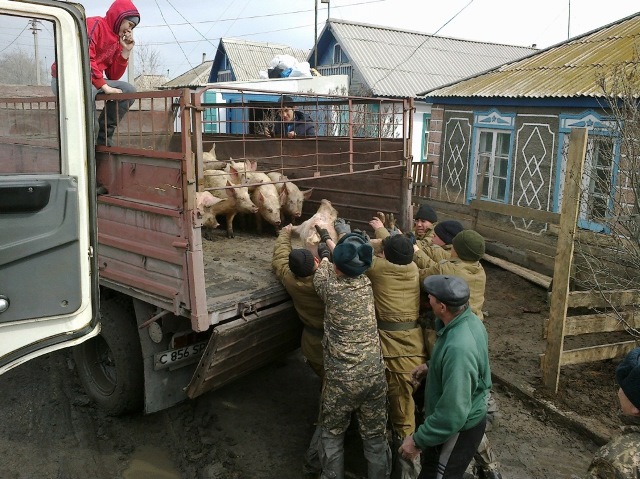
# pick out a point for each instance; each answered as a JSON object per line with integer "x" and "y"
{"x": 603, "y": 299}
{"x": 562, "y": 271}
{"x": 517, "y": 211}
{"x": 533, "y": 276}
{"x": 601, "y": 323}
{"x": 597, "y": 353}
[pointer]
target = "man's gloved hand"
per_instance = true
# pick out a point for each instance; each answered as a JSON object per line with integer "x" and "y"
{"x": 411, "y": 237}
{"x": 324, "y": 234}
{"x": 323, "y": 250}
{"x": 341, "y": 226}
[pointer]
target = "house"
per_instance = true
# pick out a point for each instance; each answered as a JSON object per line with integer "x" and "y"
{"x": 147, "y": 82}
{"x": 193, "y": 78}
{"x": 502, "y": 136}
{"x": 386, "y": 62}
{"x": 242, "y": 60}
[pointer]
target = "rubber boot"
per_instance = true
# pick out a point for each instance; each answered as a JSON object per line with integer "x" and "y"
{"x": 486, "y": 466}
{"x": 402, "y": 468}
{"x": 378, "y": 456}
{"x": 311, "y": 462}
{"x": 331, "y": 455}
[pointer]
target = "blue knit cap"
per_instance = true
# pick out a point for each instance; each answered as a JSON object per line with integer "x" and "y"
{"x": 353, "y": 255}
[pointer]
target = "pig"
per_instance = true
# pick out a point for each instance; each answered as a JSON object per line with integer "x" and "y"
{"x": 266, "y": 198}
{"x": 325, "y": 218}
{"x": 204, "y": 201}
{"x": 293, "y": 197}
{"x": 210, "y": 155}
{"x": 235, "y": 196}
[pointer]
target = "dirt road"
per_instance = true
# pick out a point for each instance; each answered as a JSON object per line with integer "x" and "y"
{"x": 256, "y": 428}
{"x": 259, "y": 426}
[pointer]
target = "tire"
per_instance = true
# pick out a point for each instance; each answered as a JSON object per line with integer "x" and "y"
{"x": 110, "y": 365}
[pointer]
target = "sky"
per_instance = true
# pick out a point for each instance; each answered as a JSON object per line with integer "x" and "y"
{"x": 180, "y": 32}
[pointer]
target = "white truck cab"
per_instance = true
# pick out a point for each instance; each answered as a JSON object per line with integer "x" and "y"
{"x": 48, "y": 280}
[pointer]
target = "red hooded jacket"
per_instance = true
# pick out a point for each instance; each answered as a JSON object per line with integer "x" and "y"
{"x": 105, "y": 51}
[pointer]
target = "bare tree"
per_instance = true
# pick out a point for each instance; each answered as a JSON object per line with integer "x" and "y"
{"x": 19, "y": 68}
{"x": 147, "y": 61}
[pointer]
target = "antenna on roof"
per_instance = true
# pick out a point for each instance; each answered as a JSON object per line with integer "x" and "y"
{"x": 569, "y": 22}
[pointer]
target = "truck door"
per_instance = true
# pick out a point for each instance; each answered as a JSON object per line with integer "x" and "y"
{"x": 48, "y": 280}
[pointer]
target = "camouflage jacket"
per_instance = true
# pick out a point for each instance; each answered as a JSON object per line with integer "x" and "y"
{"x": 351, "y": 344}
{"x": 618, "y": 459}
{"x": 434, "y": 253}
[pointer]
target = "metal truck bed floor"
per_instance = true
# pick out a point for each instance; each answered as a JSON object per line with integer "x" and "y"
{"x": 238, "y": 270}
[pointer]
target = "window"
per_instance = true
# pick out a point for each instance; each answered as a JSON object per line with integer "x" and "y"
{"x": 597, "y": 179}
{"x": 492, "y": 163}
{"x": 426, "y": 125}
{"x": 338, "y": 55}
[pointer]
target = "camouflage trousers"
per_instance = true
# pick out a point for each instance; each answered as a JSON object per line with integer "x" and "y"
{"x": 366, "y": 397}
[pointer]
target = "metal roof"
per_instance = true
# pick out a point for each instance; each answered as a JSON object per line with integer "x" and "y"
{"x": 248, "y": 58}
{"x": 568, "y": 69}
{"x": 403, "y": 63}
{"x": 197, "y": 76}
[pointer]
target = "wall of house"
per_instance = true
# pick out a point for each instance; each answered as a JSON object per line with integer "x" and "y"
{"x": 534, "y": 178}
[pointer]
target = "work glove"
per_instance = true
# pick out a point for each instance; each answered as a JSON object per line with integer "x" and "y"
{"x": 341, "y": 226}
{"x": 324, "y": 234}
{"x": 323, "y": 251}
{"x": 411, "y": 237}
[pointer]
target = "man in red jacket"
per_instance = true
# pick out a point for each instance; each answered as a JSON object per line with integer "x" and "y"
{"x": 110, "y": 46}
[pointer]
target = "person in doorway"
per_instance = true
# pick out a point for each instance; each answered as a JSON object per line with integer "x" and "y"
{"x": 290, "y": 123}
{"x": 354, "y": 370}
{"x": 457, "y": 384}
{"x": 620, "y": 457}
{"x": 110, "y": 47}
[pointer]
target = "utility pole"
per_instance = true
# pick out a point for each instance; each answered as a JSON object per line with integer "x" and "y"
{"x": 35, "y": 30}
{"x": 315, "y": 38}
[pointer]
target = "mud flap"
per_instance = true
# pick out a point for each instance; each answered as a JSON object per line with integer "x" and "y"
{"x": 245, "y": 344}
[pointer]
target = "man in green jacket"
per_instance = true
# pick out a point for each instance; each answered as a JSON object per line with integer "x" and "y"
{"x": 458, "y": 382}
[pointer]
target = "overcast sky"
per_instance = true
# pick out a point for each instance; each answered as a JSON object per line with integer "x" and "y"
{"x": 182, "y": 31}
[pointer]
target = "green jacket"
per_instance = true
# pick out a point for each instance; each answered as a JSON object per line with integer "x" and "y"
{"x": 309, "y": 306}
{"x": 458, "y": 381}
{"x": 396, "y": 293}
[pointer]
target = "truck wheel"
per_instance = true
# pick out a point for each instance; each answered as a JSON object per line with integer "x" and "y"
{"x": 110, "y": 365}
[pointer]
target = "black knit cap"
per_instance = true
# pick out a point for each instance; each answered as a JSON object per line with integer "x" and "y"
{"x": 628, "y": 376}
{"x": 425, "y": 212}
{"x": 301, "y": 262}
{"x": 353, "y": 255}
{"x": 450, "y": 290}
{"x": 447, "y": 230}
{"x": 398, "y": 249}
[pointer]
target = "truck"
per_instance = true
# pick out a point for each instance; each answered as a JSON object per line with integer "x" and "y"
{"x": 154, "y": 312}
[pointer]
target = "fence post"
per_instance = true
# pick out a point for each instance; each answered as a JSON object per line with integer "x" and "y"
{"x": 551, "y": 360}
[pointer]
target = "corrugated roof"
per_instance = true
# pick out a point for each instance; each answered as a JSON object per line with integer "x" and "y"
{"x": 197, "y": 76}
{"x": 248, "y": 58}
{"x": 403, "y": 63}
{"x": 568, "y": 69}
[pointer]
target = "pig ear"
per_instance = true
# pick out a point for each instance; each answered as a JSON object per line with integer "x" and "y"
{"x": 233, "y": 173}
{"x": 231, "y": 192}
{"x": 207, "y": 199}
{"x": 307, "y": 193}
{"x": 252, "y": 165}
{"x": 283, "y": 195}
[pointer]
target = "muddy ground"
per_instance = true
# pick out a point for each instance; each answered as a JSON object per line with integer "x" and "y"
{"x": 259, "y": 426}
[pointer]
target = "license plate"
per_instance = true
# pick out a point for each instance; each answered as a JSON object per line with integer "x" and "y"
{"x": 180, "y": 356}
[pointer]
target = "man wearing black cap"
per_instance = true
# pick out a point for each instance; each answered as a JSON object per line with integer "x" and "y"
{"x": 440, "y": 248}
{"x": 396, "y": 291}
{"x": 620, "y": 458}
{"x": 290, "y": 123}
{"x": 457, "y": 385}
{"x": 295, "y": 268}
{"x": 423, "y": 224}
{"x": 354, "y": 370}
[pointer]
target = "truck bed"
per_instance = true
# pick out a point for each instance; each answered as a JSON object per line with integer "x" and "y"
{"x": 238, "y": 272}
